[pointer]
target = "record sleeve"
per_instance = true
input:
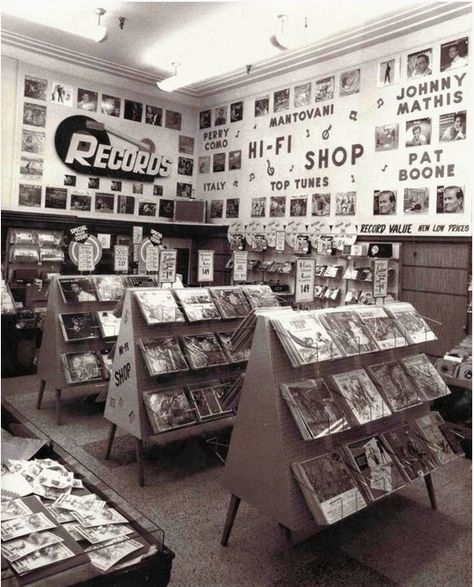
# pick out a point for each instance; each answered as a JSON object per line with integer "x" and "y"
{"x": 429, "y": 428}
{"x": 158, "y": 306}
{"x": 260, "y": 296}
{"x": 375, "y": 468}
{"x": 82, "y": 367}
{"x": 235, "y": 356}
{"x": 394, "y": 385}
{"x": 361, "y": 396}
{"x": 76, "y": 290}
{"x": 349, "y": 333}
{"x": 427, "y": 380}
{"x": 207, "y": 399}
{"x": 109, "y": 287}
{"x": 109, "y": 324}
{"x": 78, "y": 326}
{"x": 163, "y": 355}
{"x": 230, "y": 301}
{"x": 330, "y": 490}
{"x": 412, "y": 325}
{"x": 411, "y": 451}
{"x": 381, "y": 326}
{"x": 169, "y": 409}
{"x": 316, "y": 411}
{"x": 197, "y": 304}
{"x": 203, "y": 350}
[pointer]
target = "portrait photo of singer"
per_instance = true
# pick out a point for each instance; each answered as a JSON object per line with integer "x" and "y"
{"x": 87, "y": 100}
{"x": 450, "y": 200}
{"x": 452, "y": 127}
{"x": 454, "y": 54}
{"x": 419, "y": 64}
{"x": 418, "y": 132}
{"x": 385, "y": 202}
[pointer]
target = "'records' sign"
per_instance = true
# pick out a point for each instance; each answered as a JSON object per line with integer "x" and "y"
{"x": 83, "y": 144}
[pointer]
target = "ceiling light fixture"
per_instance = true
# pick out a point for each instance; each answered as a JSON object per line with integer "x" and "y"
{"x": 99, "y": 32}
{"x": 291, "y": 34}
{"x": 177, "y": 80}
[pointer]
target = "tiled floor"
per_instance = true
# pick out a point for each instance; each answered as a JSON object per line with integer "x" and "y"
{"x": 399, "y": 541}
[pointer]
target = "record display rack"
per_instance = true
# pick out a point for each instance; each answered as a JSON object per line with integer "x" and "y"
{"x": 262, "y": 476}
{"x": 50, "y": 366}
{"x": 130, "y": 379}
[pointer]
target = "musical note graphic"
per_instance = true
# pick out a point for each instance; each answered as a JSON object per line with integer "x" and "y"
{"x": 353, "y": 115}
{"x": 291, "y": 168}
{"x": 238, "y": 133}
{"x": 385, "y": 167}
{"x": 254, "y": 126}
{"x": 251, "y": 176}
{"x": 307, "y": 133}
{"x": 352, "y": 179}
{"x": 325, "y": 134}
{"x": 270, "y": 169}
{"x": 236, "y": 183}
{"x": 380, "y": 103}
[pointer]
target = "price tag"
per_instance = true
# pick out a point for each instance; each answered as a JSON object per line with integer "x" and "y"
{"x": 239, "y": 270}
{"x": 205, "y": 266}
{"x": 167, "y": 272}
{"x": 152, "y": 259}
{"x": 121, "y": 258}
{"x": 280, "y": 240}
{"x": 304, "y": 280}
{"x": 85, "y": 258}
{"x": 380, "y": 279}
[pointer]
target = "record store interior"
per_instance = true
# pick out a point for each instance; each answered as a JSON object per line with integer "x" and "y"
{"x": 236, "y": 293}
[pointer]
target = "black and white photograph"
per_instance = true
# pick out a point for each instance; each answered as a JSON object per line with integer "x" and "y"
{"x": 388, "y": 72}
{"x": 204, "y": 119}
{"x": 62, "y": 94}
{"x": 34, "y": 114}
{"x": 281, "y": 100}
{"x": 346, "y": 203}
{"x": 320, "y": 204}
{"x": 82, "y": 367}
{"x": 115, "y": 185}
{"x": 32, "y": 141}
{"x": 218, "y": 162}
{"x": 184, "y": 190}
{"x": 30, "y": 167}
{"x": 133, "y": 110}
{"x": 302, "y": 95}
{"x": 262, "y": 106}
{"x": 257, "y": 207}
{"x": 452, "y": 126}
{"x": 429, "y": 383}
{"x": 298, "y": 206}
{"x": 78, "y": 326}
{"x": 70, "y": 180}
{"x": 454, "y": 54}
{"x": 93, "y": 183}
{"x": 420, "y": 64}
{"x": 185, "y": 166}
{"x": 29, "y": 195}
{"x": 236, "y": 111}
{"x": 418, "y": 132}
{"x": 166, "y": 209}
{"x": 169, "y": 409}
{"x": 157, "y": 190}
{"x": 153, "y": 115}
{"x": 35, "y": 87}
{"x": 137, "y": 188}
{"x": 232, "y": 206}
{"x": 385, "y": 202}
{"x": 55, "y": 198}
{"x": 204, "y": 164}
{"x": 186, "y": 145}
{"x": 450, "y": 199}
{"x": 163, "y": 355}
{"x": 386, "y": 137}
{"x": 146, "y": 208}
{"x": 416, "y": 200}
{"x": 217, "y": 209}
{"x": 87, "y": 100}
{"x": 235, "y": 160}
{"x": 220, "y": 116}
{"x": 104, "y": 202}
{"x": 110, "y": 105}
{"x": 349, "y": 82}
{"x": 324, "y": 89}
{"x": 125, "y": 204}
{"x": 173, "y": 120}
{"x": 277, "y": 206}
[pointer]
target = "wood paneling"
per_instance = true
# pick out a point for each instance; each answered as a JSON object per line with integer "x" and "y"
{"x": 437, "y": 254}
{"x": 429, "y": 279}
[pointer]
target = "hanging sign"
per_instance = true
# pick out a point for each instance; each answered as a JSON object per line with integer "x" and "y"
{"x": 137, "y": 234}
{"x": 79, "y": 234}
{"x": 205, "y": 266}
{"x": 156, "y": 237}
{"x": 304, "y": 280}
{"x": 85, "y": 257}
{"x": 239, "y": 269}
{"x": 152, "y": 259}
{"x": 121, "y": 258}
{"x": 380, "y": 283}
{"x": 280, "y": 241}
{"x": 167, "y": 272}
{"x": 92, "y": 241}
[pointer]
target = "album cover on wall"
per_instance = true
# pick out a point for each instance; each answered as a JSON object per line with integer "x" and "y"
{"x": 235, "y": 160}
{"x": 281, "y": 100}
{"x": 166, "y": 209}
{"x": 262, "y": 106}
{"x": 411, "y": 451}
{"x": 29, "y": 195}
{"x": 260, "y": 296}
{"x": 452, "y": 126}
{"x": 197, "y": 304}
{"x": 104, "y": 202}
{"x": 76, "y": 290}
{"x": 395, "y": 386}
{"x": 125, "y": 204}
{"x": 218, "y": 162}
{"x": 34, "y": 114}
{"x": 232, "y": 207}
{"x": 203, "y": 350}
{"x": 349, "y": 333}
{"x": 110, "y": 105}
{"x": 133, "y": 111}
{"x": 146, "y": 208}
{"x": 109, "y": 287}
{"x": 388, "y": 72}
{"x": 168, "y": 409}
{"x": 236, "y": 111}
{"x": 302, "y": 95}
{"x": 420, "y": 64}
{"x": 173, "y": 120}
{"x": 315, "y": 409}
{"x": 32, "y": 141}
{"x": 31, "y": 168}
{"x": 158, "y": 306}
{"x": 36, "y": 88}
{"x": 185, "y": 166}
{"x": 186, "y": 145}
{"x": 163, "y": 355}
{"x": 386, "y": 137}
{"x": 220, "y": 116}
{"x": 429, "y": 428}
{"x": 87, "y": 100}
{"x": 427, "y": 380}
{"x": 361, "y": 395}
{"x": 324, "y": 89}
{"x": 55, "y": 198}
{"x": 329, "y": 488}
{"x": 78, "y": 326}
{"x": 345, "y": 203}
{"x": 109, "y": 324}
{"x": 207, "y": 400}
{"x": 204, "y": 164}
{"x": 62, "y": 94}
{"x": 153, "y": 115}
{"x": 410, "y": 323}
{"x": 418, "y": 132}
{"x": 375, "y": 469}
{"x": 204, "y": 119}
{"x": 416, "y": 200}
{"x": 454, "y": 54}
{"x": 82, "y": 367}
{"x": 230, "y": 301}
{"x": 349, "y": 82}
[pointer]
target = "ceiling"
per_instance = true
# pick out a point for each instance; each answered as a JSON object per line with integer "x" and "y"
{"x": 215, "y": 39}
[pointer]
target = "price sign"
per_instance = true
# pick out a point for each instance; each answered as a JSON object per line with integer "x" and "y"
{"x": 121, "y": 258}
{"x": 304, "y": 280}
{"x": 205, "y": 266}
{"x": 167, "y": 272}
{"x": 239, "y": 270}
{"x": 85, "y": 257}
{"x": 280, "y": 240}
{"x": 152, "y": 259}
{"x": 137, "y": 234}
{"x": 380, "y": 283}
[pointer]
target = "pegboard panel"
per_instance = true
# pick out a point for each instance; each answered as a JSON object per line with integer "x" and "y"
{"x": 266, "y": 439}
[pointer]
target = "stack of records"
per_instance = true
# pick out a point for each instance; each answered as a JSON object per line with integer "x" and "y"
{"x": 203, "y": 350}
{"x": 78, "y": 326}
{"x": 329, "y": 487}
{"x": 315, "y": 409}
{"x": 427, "y": 380}
{"x": 207, "y": 399}
{"x": 163, "y": 355}
{"x": 158, "y": 306}
{"x": 260, "y": 296}
{"x": 83, "y": 367}
{"x": 242, "y": 336}
{"x": 350, "y": 334}
{"x": 169, "y": 409}
{"x": 197, "y": 304}
{"x": 109, "y": 287}
{"x": 410, "y": 322}
{"x": 305, "y": 339}
{"x": 381, "y": 326}
{"x": 230, "y": 301}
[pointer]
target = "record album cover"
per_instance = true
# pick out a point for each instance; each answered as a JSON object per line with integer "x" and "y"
{"x": 169, "y": 409}
{"x": 197, "y": 304}
{"x": 109, "y": 287}
{"x": 413, "y": 326}
{"x": 349, "y": 333}
{"x": 430, "y": 427}
{"x": 427, "y": 380}
{"x": 207, "y": 399}
{"x": 395, "y": 386}
{"x": 411, "y": 451}
{"x": 78, "y": 326}
{"x": 82, "y": 367}
{"x": 234, "y": 356}
{"x": 230, "y": 301}
{"x": 203, "y": 350}
{"x": 76, "y": 290}
{"x": 163, "y": 355}
{"x": 158, "y": 306}
{"x": 381, "y": 326}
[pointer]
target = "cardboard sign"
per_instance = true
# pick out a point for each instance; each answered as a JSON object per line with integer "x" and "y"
{"x": 85, "y": 258}
{"x": 239, "y": 270}
{"x": 121, "y": 258}
{"x": 380, "y": 283}
{"x": 205, "y": 266}
{"x": 167, "y": 272}
{"x": 304, "y": 280}
{"x": 137, "y": 234}
{"x": 280, "y": 241}
{"x": 105, "y": 240}
{"x": 79, "y": 234}
{"x": 152, "y": 259}
{"x": 156, "y": 237}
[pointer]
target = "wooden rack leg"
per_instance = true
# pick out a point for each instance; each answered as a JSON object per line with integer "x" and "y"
{"x": 112, "y": 431}
{"x": 431, "y": 491}
{"x": 58, "y": 407}
{"x": 288, "y": 546}
{"x": 140, "y": 464}
{"x": 230, "y": 518}
{"x": 41, "y": 394}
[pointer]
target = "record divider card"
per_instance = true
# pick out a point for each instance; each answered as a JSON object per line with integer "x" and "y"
{"x": 130, "y": 379}
{"x": 50, "y": 368}
{"x": 262, "y": 476}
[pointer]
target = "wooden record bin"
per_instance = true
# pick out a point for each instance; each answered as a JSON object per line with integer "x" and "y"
{"x": 130, "y": 379}
{"x": 266, "y": 440}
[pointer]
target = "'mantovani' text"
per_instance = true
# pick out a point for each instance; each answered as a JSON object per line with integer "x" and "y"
{"x": 303, "y": 115}
{"x": 431, "y": 87}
